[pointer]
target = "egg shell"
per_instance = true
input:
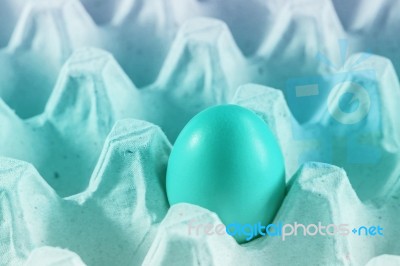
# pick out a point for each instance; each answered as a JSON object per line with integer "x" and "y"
{"x": 226, "y": 159}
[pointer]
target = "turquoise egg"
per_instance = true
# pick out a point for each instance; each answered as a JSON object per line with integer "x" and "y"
{"x": 227, "y": 160}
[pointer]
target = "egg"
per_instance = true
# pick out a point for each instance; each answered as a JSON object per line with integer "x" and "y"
{"x": 226, "y": 159}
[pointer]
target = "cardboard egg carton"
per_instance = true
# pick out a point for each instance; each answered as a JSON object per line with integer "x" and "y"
{"x": 141, "y": 37}
{"x": 62, "y": 203}
{"x": 123, "y": 211}
{"x": 319, "y": 192}
{"x": 94, "y": 91}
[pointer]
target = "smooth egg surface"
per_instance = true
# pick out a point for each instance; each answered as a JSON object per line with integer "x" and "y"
{"x": 226, "y": 159}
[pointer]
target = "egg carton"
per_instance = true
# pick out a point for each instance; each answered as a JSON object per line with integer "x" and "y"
{"x": 56, "y": 209}
{"x": 119, "y": 218}
{"x": 49, "y": 31}
{"x": 271, "y": 36}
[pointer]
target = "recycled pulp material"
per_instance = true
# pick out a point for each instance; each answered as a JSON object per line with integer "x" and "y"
{"x": 63, "y": 104}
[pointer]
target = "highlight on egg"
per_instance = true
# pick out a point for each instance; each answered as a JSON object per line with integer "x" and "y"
{"x": 226, "y": 159}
